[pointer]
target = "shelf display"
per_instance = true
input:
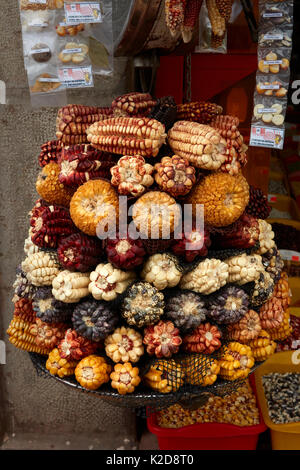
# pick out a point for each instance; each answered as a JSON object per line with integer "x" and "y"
{"x": 272, "y": 77}
{"x": 131, "y": 311}
{"x": 64, "y": 44}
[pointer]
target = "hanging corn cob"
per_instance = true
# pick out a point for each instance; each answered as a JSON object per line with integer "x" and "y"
{"x": 191, "y": 15}
{"x": 199, "y": 144}
{"x": 198, "y": 111}
{"x": 218, "y": 23}
{"x": 174, "y": 11}
{"x": 224, "y": 8}
{"x": 73, "y": 120}
{"x": 128, "y": 136}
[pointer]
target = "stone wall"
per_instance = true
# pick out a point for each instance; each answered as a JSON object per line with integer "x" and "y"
{"x": 31, "y": 404}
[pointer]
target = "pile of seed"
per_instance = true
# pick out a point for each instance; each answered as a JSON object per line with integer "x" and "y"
{"x": 277, "y": 187}
{"x": 282, "y": 392}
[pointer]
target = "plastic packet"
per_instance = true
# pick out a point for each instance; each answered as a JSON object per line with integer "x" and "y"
{"x": 37, "y": 21}
{"x": 273, "y": 61}
{"x": 46, "y": 89}
{"x": 64, "y": 30}
{"x": 41, "y": 4}
{"x": 275, "y": 37}
{"x": 101, "y": 45}
{"x": 276, "y": 13}
{"x": 39, "y": 48}
{"x": 268, "y": 111}
{"x": 208, "y": 41}
{"x": 267, "y": 85}
{"x": 73, "y": 52}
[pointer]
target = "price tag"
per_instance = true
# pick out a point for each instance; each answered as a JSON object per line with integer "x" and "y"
{"x": 76, "y": 77}
{"x": 83, "y": 12}
{"x": 50, "y": 80}
{"x": 290, "y": 255}
{"x": 272, "y": 62}
{"x": 278, "y": 14}
{"x": 273, "y": 37}
{"x": 272, "y": 198}
{"x": 41, "y": 2}
{"x": 38, "y": 25}
{"x": 266, "y": 137}
{"x": 40, "y": 51}
{"x": 72, "y": 51}
{"x": 266, "y": 110}
{"x": 269, "y": 87}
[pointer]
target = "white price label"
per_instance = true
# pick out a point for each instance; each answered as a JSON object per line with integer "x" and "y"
{"x": 72, "y": 51}
{"x": 83, "y": 12}
{"x": 295, "y": 343}
{"x": 269, "y": 87}
{"x": 290, "y": 255}
{"x": 40, "y": 51}
{"x": 276, "y": 14}
{"x": 266, "y": 110}
{"x": 76, "y": 77}
{"x": 269, "y": 137}
{"x": 272, "y": 62}
{"x": 35, "y": 24}
{"x": 49, "y": 80}
{"x": 273, "y": 37}
{"x": 41, "y": 2}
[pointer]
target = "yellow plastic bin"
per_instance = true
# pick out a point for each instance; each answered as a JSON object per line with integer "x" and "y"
{"x": 283, "y": 436}
{"x": 294, "y": 283}
{"x": 284, "y": 204}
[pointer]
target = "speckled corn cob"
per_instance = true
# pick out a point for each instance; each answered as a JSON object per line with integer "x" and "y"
{"x": 224, "y": 8}
{"x": 227, "y": 126}
{"x": 198, "y": 111}
{"x": 125, "y": 135}
{"x": 191, "y": 15}
{"x": 201, "y": 145}
{"x": 73, "y": 120}
{"x": 218, "y": 23}
{"x": 174, "y": 11}
{"x": 133, "y": 104}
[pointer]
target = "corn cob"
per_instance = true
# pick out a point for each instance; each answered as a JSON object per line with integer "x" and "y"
{"x": 236, "y": 156}
{"x": 73, "y": 120}
{"x": 133, "y": 104}
{"x": 125, "y": 135}
{"x": 174, "y": 11}
{"x": 198, "y": 111}
{"x": 50, "y": 152}
{"x": 218, "y": 23}
{"x": 199, "y": 144}
{"x": 224, "y": 8}
{"x": 20, "y": 336}
{"x": 191, "y": 15}
{"x": 216, "y": 41}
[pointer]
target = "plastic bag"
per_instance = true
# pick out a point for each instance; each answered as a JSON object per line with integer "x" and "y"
{"x": 209, "y": 42}
{"x": 271, "y": 86}
{"x": 269, "y": 111}
{"x": 64, "y": 44}
{"x": 274, "y": 61}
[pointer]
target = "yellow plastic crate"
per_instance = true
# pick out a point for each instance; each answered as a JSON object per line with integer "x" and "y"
{"x": 283, "y": 436}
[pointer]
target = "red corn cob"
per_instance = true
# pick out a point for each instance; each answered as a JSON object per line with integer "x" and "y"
{"x": 79, "y": 252}
{"x": 191, "y": 15}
